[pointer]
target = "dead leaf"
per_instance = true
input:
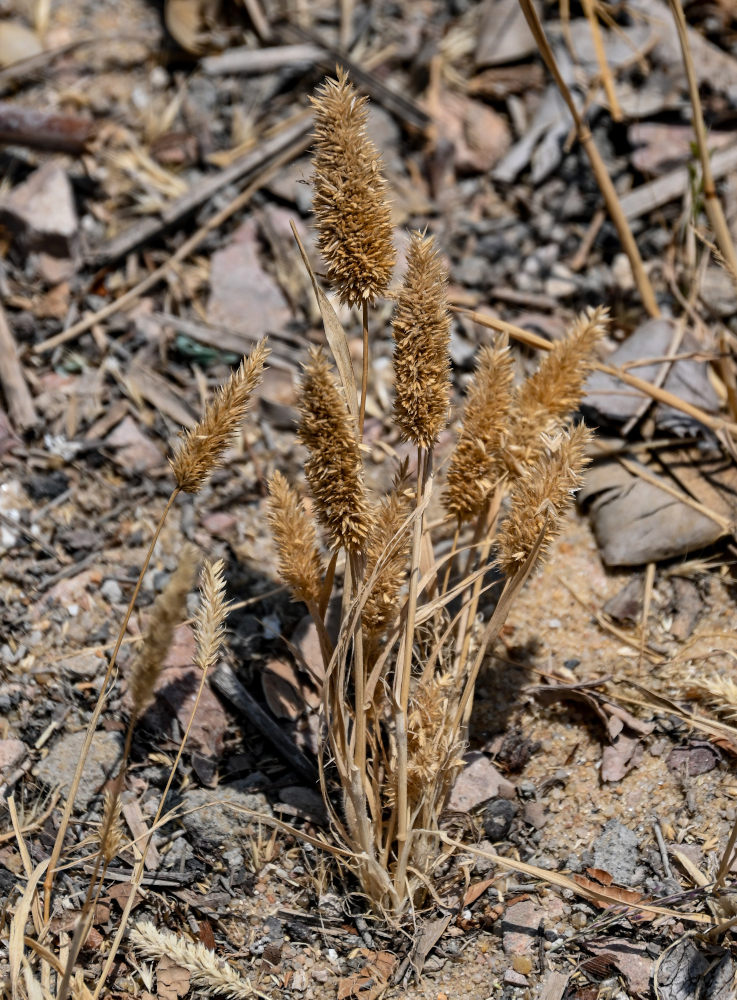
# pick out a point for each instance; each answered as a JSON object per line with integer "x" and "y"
{"x": 172, "y": 981}
{"x": 188, "y": 22}
{"x": 281, "y": 689}
{"x": 629, "y": 958}
{"x": 601, "y": 876}
{"x": 477, "y": 890}
{"x": 614, "y": 894}
{"x": 372, "y": 979}
{"x": 619, "y": 758}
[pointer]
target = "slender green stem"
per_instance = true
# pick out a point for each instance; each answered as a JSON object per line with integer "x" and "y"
{"x": 92, "y": 725}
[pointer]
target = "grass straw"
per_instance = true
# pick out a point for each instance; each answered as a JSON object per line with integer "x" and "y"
{"x": 598, "y": 166}
{"x": 711, "y": 200}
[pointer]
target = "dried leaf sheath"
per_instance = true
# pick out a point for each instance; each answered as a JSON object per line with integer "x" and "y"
{"x": 202, "y": 448}
{"x": 300, "y": 565}
{"x": 334, "y": 468}
{"x": 352, "y": 214}
{"x": 475, "y": 467}
{"x": 421, "y": 336}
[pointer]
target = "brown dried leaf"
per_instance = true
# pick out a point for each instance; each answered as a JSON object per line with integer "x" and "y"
{"x": 172, "y": 981}
{"x": 373, "y": 978}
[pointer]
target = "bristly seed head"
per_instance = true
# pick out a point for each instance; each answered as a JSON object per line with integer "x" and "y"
{"x": 334, "y": 469}
{"x": 421, "y": 335}
{"x": 475, "y": 468}
{"x": 540, "y": 497}
{"x": 300, "y": 565}
{"x": 352, "y": 215}
{"x": 202, "y": 448}
{"x": 544, "y": 400}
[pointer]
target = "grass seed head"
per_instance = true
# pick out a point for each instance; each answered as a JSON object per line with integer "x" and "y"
{"x": 553, "y": 391}
{"x": 421, "y": 337}
{"x": 541, "y": 496}
{"x": 169, "y": 610}
{"x": 209, "y": 624}
{"x": 352, "y": 214}
{"x": 334, "y": 468}
{"x": 202, "y": 448}
{"x": 300, "y": 565}
{"x": 475, "y": 468}
{"x": 387, "y": 548}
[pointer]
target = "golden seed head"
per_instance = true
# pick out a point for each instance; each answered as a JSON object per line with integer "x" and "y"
{"x": 540, "y": 497}
{"x": 421, "y": 336}
{"x": 209, "y": 623}
{"x": 554, "y": 390}
{"x": 112, "y": 834}
{"x": 300, "y": 565}
{"x": 475, "y": 468}
{"x": 169, "y": 610}
{"x": 202, "y": 448}
{"x": 352, "y": 214}
{"x": 387, "y": 549}
{"x": 334, "y": 468}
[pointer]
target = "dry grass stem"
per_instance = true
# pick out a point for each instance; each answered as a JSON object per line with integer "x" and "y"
{"x": 300, "y": 565}
{"x": 475, "y": 468}
{"x": 421, "y": 336}
{"x": 334, "y": 468}
{"x": 352, "y": 215}
{"x": 169, "y": 610}
{"x": 203, "y": 447}
{"x": 206, "y": 971}
{"x": 541, "y": 496}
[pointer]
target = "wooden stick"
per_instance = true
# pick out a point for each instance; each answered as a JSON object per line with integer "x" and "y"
{"x": 77, "y": 329}
{"x": 20, "y": 126}
{"x": 21, "y": 410}
{"x": 598, "y": 166}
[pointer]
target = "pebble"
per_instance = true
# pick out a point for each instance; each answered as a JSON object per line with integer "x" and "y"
{"x": 512, "y": 978}
{"x": 111, "y": 591}
{"x": 57, "y": 769}
{"x": 207, "y": 816}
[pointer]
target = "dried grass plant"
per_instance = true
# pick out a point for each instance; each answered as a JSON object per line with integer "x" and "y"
{"x": 399, "y": 680}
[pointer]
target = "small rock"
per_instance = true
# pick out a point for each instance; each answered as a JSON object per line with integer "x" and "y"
{"x": 85, "y": 665}
{"x": 207, "y": 816}
{"x": 12, "y": 752}
{"x": 111, "y": 591}
{"x": 519, "y": 927}
{"x": 243, "y": 297}
{"x": 41, "y": 212}
{"x": 478, "y": 782}
{"x": 522, "y": 964}
{"x": 498, "y": 817}
{"x": 58, "y": 767}
{"x": 717, "y": 292}
{"x": 512, "y": 978}
{"x": 560, "y": 288}
{"x": 616, "y": 851}
{"x": 134, "y": 450}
